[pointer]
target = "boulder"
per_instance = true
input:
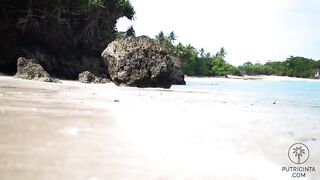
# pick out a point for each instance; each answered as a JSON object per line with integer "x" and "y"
{"x": 31, "y": 69}
{"x": 88, "y": 77}
{"x": 140, "y": 62}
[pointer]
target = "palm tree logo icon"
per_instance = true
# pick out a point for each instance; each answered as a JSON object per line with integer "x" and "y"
{"x": 298, "y": 153}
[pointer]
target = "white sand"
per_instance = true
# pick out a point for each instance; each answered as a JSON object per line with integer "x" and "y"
{"x": 80, "y": 131}
{"x": 283, "y": 78}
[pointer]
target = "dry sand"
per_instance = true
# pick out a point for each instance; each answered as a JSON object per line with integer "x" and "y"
{"x": 97, "y": 132}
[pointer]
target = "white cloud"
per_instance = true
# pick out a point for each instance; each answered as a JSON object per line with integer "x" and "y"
{"x": 255, "y": 30}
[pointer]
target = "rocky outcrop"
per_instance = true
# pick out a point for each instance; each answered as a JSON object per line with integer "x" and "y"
{"x": 88, "y": 77}
{"x": 178, "y": 77}
{"x": 31, "y": 69}
{"x": 140, "y": 62}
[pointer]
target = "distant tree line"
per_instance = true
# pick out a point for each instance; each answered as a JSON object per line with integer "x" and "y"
{"x": 293, "y": 67}
{"x": 201, "y": 63}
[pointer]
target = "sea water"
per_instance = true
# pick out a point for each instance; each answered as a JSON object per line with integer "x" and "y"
{"x": 291, "y": 93}
{"x": 297, "y": 102}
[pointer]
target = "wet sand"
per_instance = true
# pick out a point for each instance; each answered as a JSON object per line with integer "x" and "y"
{"x": 96, "y": 132}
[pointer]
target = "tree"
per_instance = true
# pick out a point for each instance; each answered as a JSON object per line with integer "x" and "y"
{"x": 221, "y": 67}
{"x": 301, "y": 67}
{"x": 218, "y": 65}
{"x": 165, "y": 42}
{"x": 160, "y": 37}
{"x": 172, "y": 37}
{"x": 130, "y": 31}
{"x": 179, "y": 50}
{"x": 222, "y": 53}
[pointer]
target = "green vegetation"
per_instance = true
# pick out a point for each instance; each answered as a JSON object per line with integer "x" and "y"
{"x": 293, "y": 67}
{"x": 90, "y": 23}
{"x": 197, "y": 62}
{"x": 201, "y": 63}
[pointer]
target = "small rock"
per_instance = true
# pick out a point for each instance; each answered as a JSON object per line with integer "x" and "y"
{"x": 31, "y": 69}
{"x": 100, "y": 80}
{"x": 88, "y": 77}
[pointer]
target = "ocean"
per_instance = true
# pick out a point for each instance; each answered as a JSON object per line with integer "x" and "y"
{"x": 294, "y": 105}
{"x": 294, "y": 94}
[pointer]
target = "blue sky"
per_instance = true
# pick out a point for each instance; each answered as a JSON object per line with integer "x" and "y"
{"x": 250, "y": 30}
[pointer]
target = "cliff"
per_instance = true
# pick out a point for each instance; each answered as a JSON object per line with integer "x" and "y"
{"x": 65, "y": 36}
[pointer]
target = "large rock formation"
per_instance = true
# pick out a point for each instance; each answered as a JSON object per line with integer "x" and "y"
{"x": 140, "y": 62}
{"x": 31, "y": 69}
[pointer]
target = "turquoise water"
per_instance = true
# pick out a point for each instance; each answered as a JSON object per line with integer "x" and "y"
{"x": 286, "y": 94}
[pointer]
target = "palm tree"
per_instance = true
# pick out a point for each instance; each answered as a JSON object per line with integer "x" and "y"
{"x": 172, "y": 36}
{"x": 202, "y": 52}
{"x": 221, "y": 53}
{"x": 160, "y": 37}
{"x": 130, "y": 31}
{"x": 298, "y": 152}
{"x": 179, "y": 50}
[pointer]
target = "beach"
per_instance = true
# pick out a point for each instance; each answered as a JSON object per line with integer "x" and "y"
{"x": 71, "y": 130}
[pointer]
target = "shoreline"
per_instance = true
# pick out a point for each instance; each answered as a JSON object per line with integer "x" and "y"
{"x": 255, "y": 77}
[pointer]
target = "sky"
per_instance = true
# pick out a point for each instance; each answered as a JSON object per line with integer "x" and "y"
{"x": 249, "y": 30}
